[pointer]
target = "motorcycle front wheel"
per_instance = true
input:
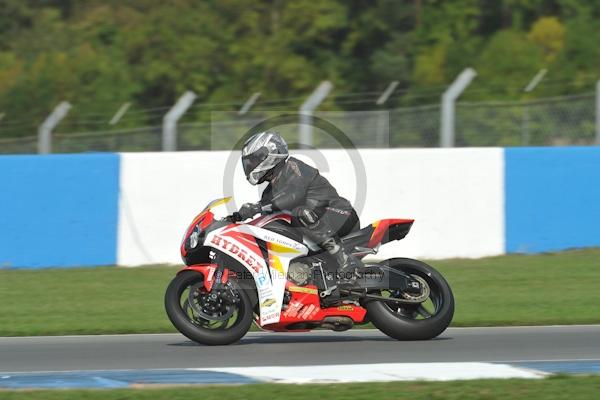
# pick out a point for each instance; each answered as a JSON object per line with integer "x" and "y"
{"x": 213, "y": 318}
{"x": 422, "y": 321}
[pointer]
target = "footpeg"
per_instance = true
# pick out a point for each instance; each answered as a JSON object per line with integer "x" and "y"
{"x": 328, "y": 291}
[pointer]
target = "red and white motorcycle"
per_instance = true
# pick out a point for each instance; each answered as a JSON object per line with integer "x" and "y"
{"x": 263, "y": 271}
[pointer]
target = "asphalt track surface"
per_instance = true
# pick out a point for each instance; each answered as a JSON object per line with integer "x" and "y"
{"x": 157, "y": 351}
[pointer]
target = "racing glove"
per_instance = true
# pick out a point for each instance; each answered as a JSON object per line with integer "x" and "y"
{"x": 249, "y": 210}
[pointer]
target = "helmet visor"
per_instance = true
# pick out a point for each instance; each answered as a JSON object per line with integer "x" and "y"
{"x": 251, "y": 161}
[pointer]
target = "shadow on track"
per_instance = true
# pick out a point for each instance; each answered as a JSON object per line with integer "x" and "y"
{"x": 312, "y": 338}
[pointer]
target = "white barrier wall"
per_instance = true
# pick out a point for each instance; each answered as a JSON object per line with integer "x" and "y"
{"x": 455, "y": 195}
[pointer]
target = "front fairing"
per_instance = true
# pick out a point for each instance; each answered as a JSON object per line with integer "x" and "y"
{"x": 193, "y": 237}
{"x": 266, "y": 255}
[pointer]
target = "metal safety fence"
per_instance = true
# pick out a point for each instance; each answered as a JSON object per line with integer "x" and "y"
{"x": 557, "y": 121}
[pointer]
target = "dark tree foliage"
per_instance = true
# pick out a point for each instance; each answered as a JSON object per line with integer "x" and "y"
{"x": 98, "y": 54}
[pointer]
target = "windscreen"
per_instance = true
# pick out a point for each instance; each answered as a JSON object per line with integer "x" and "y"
{"x": 216, "y": 203}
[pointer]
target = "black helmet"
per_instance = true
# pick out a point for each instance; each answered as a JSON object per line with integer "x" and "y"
{"x": 261, "y": 153}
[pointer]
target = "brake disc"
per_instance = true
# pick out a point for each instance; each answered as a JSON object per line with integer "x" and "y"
{"x": 425, "y": 291}
{"x": 208, "y": 306}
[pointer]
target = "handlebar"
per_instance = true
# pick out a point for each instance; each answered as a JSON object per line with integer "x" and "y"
{"x": 235, "y": 217}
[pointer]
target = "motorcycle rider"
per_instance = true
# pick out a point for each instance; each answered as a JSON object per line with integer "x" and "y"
{"x": 316, "y": 207}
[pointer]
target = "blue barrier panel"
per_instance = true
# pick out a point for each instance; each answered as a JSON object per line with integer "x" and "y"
{"x": 58, "y": 210}
{"x": 552, "y": 198}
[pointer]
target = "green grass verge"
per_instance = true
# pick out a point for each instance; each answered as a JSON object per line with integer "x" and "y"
{"x": 554, "y": 288}
{"x": 559, "y": 288}
{"x": 555, "y": 388}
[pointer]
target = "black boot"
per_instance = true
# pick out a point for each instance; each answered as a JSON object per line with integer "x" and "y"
{"x": 348, "y": 264}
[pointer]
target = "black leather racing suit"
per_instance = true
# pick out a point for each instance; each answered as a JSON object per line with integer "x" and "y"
{"x": 316, "y": 207}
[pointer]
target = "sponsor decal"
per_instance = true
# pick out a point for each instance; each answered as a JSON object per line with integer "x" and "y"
{"x": 262, "y": 279}
{"x": 211, "y": 273}
{"x": 272, "y": 316}
{"x": 345, "y": 308}
{"x": 268, "y": 302}
{"x": 235, "y": 250}
{"x": 306, "y": 312}
{"x": 293, "y": 309}
{"x": 282, "y": 246}
{"x": 300, "y": 289}
{"x": 241, "y": 243}
{"x": 338, "y": 211}
{"x": 265, "y": 292}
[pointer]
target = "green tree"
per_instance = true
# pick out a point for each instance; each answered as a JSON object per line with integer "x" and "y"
{"x": 100, "y": 53}
{"x": 549, "y": 34}
{"x": 506, "y": 65}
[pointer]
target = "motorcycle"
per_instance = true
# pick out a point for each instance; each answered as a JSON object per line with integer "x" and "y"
{"x": 265, "y": 271}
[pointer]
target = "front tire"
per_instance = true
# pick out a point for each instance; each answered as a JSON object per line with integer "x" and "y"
{"x": 221, "y": 326}
{"x": 414, "y": 322}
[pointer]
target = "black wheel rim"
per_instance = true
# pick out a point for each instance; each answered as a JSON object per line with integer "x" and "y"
{"x": 200, "y": 309}
{"x": 428, "y": 309}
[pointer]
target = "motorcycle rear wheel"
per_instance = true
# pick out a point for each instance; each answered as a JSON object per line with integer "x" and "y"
{"x": 224, "y": 325}
{"x": 414, "y": 322}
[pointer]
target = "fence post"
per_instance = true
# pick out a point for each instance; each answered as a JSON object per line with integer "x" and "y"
{"x": 305, "y": 139}
{"x": 381, "y": 115}
{"x": 119, "y": 114}
{"x": 525, "y": 136}
{"x": 249, "y": 103}
{"x": 169, "y": 133}
{"x": 448, "y": 102}
{"x": 598, "y": 113}
{"x": 45, "y": 129}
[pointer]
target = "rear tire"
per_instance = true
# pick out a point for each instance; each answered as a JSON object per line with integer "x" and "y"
{"x": 191, "y": 327}
{"x": 402, "y": 323}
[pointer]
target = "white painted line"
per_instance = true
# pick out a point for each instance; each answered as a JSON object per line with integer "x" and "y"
{"x": 550, "y": 360}
{"x": 360, "y": 366}
{"x": 382, "y": 372}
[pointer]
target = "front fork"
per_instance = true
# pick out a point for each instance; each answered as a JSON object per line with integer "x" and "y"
{"x": 220, "y": 277}
{"x": 215, "y": 276}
